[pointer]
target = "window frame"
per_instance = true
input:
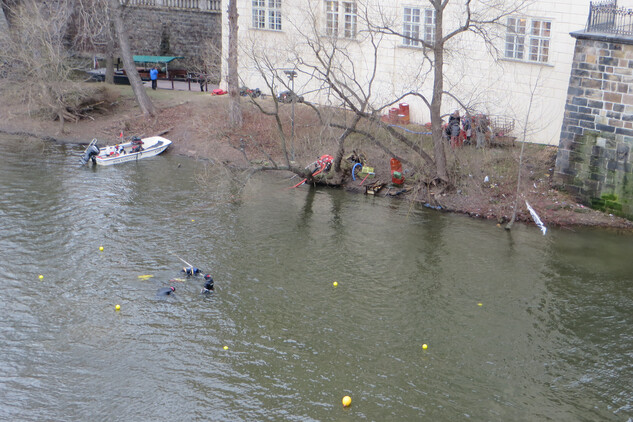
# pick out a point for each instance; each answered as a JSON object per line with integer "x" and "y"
{"x": 418, "y": 22}
{"x": 528, "y": 40}
{"x": 429, "y": 27}
{"x": 350, "y": 20}
{"x": 540, "y": 40}
{"x": 341, "y": 19}
{"x": 266, "y": 14}
{"x": 258, "y": 12}
{"x": 274, "y": 15}
{"x": 331, "y": 18}
{"x": 411, "y": 27}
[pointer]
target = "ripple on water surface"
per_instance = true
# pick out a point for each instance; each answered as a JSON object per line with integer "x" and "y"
{"x": 550, "y": 341}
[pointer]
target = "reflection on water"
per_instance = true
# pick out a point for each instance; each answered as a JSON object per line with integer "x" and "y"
{"x": 551, "y": 340}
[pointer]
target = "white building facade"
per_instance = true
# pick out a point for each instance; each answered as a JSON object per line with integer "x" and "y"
{"x": 526, "y": 55}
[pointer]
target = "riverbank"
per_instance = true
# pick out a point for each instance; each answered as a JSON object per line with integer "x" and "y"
{"x": 197, "y": 123}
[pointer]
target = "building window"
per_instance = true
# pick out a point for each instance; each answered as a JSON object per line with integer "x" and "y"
{"x": 537, "y": 40}
{"x": 337, "y": 12}
{"x": 267, "y": 14}
{"x": 350, "y": 19}
{"x": 429, "y": 25}
{"x": 259, "y": 14}
{"x": 411, "y": 27}
{"x": 274, "y": 15}
{"x": 331, "y": 18}
{"x": 418, "y": 24}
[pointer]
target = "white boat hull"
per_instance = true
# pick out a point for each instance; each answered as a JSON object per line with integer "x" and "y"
{"x": 152, "y": 146}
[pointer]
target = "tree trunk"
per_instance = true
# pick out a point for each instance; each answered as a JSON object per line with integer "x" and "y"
{"x": 235, "y": 109}
{"x": 8, "y": 8}
{"x": 109, "y": 74}
{"x": 143, "y": 100}
{"x": 341, "y": 144}
{"x": 439, "y": 153}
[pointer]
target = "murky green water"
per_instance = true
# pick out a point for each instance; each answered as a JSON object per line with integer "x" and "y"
{"x": 551, "y": 341}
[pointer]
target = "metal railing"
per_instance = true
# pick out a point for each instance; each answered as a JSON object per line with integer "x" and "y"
{"x": 207, "y": 5}
{"x": 606, "y": 16}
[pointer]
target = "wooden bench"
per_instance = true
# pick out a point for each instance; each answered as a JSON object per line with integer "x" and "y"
{"x": 178, "y": 75}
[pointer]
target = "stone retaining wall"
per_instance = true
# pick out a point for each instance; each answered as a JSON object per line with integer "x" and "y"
{"x": 594, "y": 160}
{"x": 172, "y": 32}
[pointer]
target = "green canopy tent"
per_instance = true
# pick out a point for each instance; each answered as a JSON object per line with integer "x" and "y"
{"x": 157, "y": 59}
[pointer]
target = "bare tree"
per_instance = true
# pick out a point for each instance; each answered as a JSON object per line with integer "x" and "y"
{"x": 344, "y": 69}
{"x": 142, "y": 98}
{"x": 91, "y": 31}
{"x": 478, "y": 20}
{"x": 533, "y": 89}
{"x": 39, "y": 62}
{"x": 332, "y": 65}
{"x": 109, "y": 53}
{"x": 235, "y": 110}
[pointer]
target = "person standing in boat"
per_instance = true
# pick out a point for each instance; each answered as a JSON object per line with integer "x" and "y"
{"x": 153, "y": 75}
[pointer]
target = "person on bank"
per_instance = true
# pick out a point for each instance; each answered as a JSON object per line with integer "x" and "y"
{"x": 467, "y": 128}
{"x": 153, "y": 75}
{"x": 455, "y": 127}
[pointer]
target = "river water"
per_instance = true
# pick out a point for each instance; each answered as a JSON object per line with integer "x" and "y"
{"x": 519, "y": 326}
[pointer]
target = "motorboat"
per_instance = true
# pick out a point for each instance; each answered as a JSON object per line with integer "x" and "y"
{"x": 133, "y": 150}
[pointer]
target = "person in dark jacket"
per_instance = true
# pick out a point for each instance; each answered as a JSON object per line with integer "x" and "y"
{"x": 454, "y": 125}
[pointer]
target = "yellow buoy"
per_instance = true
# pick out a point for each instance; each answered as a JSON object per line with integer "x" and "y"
{"x": 192, "y": 220}
{"x": 335, "y": 284}
{"x": 347, "y": 400}
{"x": 424, "y": 346}
{"x": 41, "y": 277}
{"x": 101, "y": 248}
{"x": 117, "y": 308}
{"x": 226, "y": 347}
{"x": 480, "y": 304}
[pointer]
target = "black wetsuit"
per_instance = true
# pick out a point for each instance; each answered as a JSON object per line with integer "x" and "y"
{"x": 166, "y": 291}
{"x": 208, "y": 285}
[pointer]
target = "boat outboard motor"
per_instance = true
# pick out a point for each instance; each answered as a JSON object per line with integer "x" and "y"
{"x": 90, "y": 153}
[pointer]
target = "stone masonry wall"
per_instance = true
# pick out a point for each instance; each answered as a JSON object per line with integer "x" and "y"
{"x": 171, "y": 32}
{"x": 594, "y": 159}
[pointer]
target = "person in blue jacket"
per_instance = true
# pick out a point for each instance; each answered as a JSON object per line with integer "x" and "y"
{"x": 153, "y": 75}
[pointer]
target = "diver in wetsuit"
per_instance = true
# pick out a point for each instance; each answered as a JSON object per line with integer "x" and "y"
{"x": 191, "y": 271}
{"x": 166, "y": 291}
{"x": 208, "y": 285}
